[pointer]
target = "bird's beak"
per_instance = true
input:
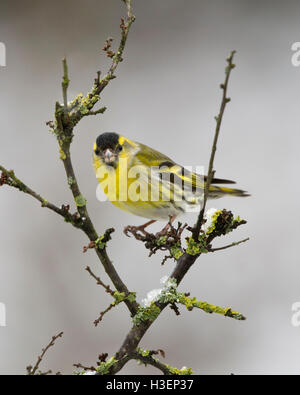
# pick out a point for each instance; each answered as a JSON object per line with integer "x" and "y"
{"x": 109, "y": 156}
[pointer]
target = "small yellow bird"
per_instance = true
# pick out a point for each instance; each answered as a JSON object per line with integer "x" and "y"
{"x": 147, "y": 183}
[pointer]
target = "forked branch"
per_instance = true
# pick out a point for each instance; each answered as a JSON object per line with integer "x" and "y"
{"x": 67, "y": 115}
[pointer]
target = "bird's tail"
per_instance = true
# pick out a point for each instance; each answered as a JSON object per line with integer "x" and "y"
{"x": 217, "y": 192}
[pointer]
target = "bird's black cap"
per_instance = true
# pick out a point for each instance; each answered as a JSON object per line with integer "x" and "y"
{"x": 107, "y": 140}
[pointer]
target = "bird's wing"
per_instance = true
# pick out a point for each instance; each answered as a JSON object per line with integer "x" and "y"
{"x": 150, "y": 157}
{"x": 169, "y": 170}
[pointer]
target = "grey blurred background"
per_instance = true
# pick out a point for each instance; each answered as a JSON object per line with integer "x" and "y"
{"x": 166, "y": 95}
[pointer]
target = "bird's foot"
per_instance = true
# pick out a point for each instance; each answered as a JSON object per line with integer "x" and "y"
{"x": 165, "y": 240}
{"x": 134, "y": 230}
{"x": 166, "y": 228}
{"x": 163, "y": 232}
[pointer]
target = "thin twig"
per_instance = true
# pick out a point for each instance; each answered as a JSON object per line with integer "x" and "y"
{"x": 33, "y": 370}
{"x": 149, "y": 360}
{"x": 124, "y": 30}
{"x": 100, "y": 111}
{"x": 85, "y": 368}
{"x": 13, "y": 181}
{"x": 99, "y": 319}
{"x": 65, "y": 85}
{"x": 219, "y": 118}
{"x": 99, "y": 282}
{"x": 236, "y": 243}
{"x": 117, "y": 57}
{"x": 101, "y": 358}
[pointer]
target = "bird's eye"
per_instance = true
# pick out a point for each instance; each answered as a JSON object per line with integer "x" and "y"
{"x": 97, "y": 152}
{"x": 120, "y": 147}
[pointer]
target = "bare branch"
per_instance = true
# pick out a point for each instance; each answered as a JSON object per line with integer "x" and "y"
{"x": 219, "y": 118}
{"x": 65, "y": 85}
{"x": 85, "y": 368}
{"x": 8, "y": 178}
{"x": 32, "y": 370}
{"x": 236, "y": 243}
{"x": 99, "y": 319}
{"x": 93, "y": 96}
{"x": 99, "y": 282}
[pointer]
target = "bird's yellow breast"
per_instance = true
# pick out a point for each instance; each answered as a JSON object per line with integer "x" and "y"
{"x": 128, "y": 187}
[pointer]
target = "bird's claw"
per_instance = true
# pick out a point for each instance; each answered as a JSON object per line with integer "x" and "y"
{"x": 128, "y": 229}
{"x": 134, "y": 230}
